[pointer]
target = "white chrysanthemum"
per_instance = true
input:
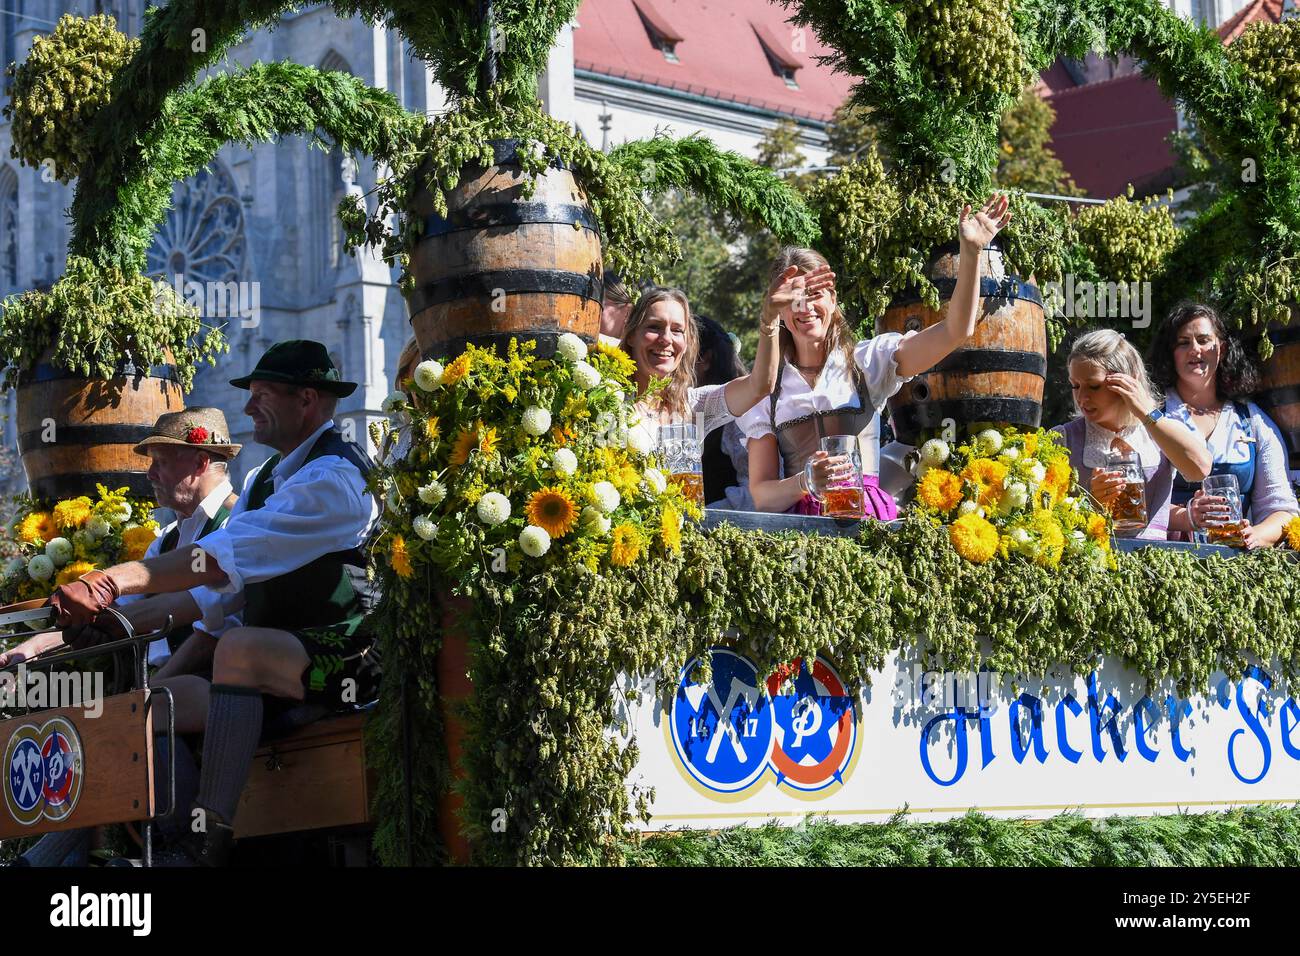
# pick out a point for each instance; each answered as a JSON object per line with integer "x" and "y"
{"x": 537, "y": 420}
{"x": 493, "y": 508}
{"x": 97, "y": 527}
{"x": 394, "y": 499}
{"x": 619, "y": 396}
{"x": 534, "y": 541}
{"x": 934, "y": 452}
{"x": 84, "y": 539}
{"x": 566, "y": 462}
{"x": 638, "y": 441}
{"x": 1010, "y": 453}
{"x": 1022, "y": 540}
{"x": 121, "y": 513}
{"x": 395, "y": 402}
{"x": 606, "y": 496}
{"x": 571, "y": 347}
{"x": 595, "y": 522}
{"x": 432, "y": 493}
{"x": 1037, "y": 470}
{"x": 585, "y": 375}
{"x": 14, "y": 568}
{"x": 1017, "y": 495}
{"x": 970, "y": 508}
{"x": 990, "y": 441}
{"x": 656, "y": 480}
{"x": 428, "y": 375}
{"x": 59, "y": 550}
{"x": 40, "y": 568}
{"x": 425, "y": 527}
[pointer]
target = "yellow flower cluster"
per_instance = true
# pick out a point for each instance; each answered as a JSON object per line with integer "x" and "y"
{"x": 527, "y": 460}
{"x": 72, "y": 514}
{"x": 1006, "y": 492}
{"x": 136, "y": 541}
{"x": 1293, "y": 533}
{"x": 37, "y": 528}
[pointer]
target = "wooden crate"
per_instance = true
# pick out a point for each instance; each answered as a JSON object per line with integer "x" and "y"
{"x": 314, "y": 778}
{"x": 112, "y": 768}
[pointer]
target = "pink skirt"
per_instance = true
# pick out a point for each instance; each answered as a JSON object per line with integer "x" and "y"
{"x": 878, "y": 503}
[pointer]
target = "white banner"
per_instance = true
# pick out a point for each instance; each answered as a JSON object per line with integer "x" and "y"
{"x": 745, "y": 749}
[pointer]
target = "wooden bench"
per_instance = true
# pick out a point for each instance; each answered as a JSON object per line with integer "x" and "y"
{"x": 311, "y": 779}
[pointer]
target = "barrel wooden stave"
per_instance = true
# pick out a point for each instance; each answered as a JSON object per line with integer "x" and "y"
{"x": 997, "y": 376}
{"x": 95, "y": 422}
{"x": 548, "y": 272}
{"x": 1279, "y": 391}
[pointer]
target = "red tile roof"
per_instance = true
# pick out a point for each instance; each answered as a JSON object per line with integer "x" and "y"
{"x": 1114, "y": 133}
{"x": 1267, "y": 11}
{"x": 720, "y": 53}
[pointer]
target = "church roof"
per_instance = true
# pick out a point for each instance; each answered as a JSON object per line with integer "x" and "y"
{"x": 1258, "y": 11}
{"x": 731, "y": 51}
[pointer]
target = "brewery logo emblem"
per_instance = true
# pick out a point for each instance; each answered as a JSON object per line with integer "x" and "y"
{"x": 723, "y": 730}
{"x": 44, "y": 771}
{"x": 816, "y": 726}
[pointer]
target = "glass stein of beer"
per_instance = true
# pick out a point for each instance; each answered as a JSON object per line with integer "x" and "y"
{"x": 843, "y": 498}
{"x": 1227, "y": 528}
{"x": 1129, "y": 510}
{"x": 680, "y": 451}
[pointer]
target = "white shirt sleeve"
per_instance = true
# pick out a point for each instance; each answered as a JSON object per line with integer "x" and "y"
{"x": 324, "y": 507}
{"x": 757, "y": 422}
{"x": 1272, "y": 491}
{"x": 876, "y": 358}
{"x": 709, "y": 406}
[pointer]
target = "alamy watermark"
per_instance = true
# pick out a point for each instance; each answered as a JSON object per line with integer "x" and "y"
{"x": 25, "y": 689}
{"x": 1072, "y": 299}
{"x": 222, "y": 299}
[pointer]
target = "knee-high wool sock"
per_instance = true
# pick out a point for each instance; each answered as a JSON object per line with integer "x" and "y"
{"x": 229, "y": 742}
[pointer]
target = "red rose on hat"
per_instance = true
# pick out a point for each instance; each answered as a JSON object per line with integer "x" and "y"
{"x": 197, "y": 436}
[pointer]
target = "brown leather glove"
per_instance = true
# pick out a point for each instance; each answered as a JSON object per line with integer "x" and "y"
{"x": 106, "y": 627}
{"x": 77, "y": 604}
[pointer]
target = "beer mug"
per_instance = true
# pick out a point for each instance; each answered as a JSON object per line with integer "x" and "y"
{"x": 679, "y": 453}
{"x": 843, "y": 498}
{"x": 1225, "y": 530}
{"x": 1129, "y": 510}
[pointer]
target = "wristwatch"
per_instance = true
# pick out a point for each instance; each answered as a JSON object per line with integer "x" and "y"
{"x": 1153, "y": 416}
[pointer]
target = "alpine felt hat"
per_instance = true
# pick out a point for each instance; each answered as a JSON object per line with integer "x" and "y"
{"x": 298, "y": 362}
{"x": 195, "y": 427}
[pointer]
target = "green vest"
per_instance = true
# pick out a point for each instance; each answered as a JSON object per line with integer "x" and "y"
{"x": 331, "y": 591}
{"x": 177, "y": 635}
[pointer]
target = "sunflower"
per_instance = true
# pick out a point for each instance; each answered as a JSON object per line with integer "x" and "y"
{"x": 939, "y": 490}
{"x": 1293, "y": 533}
{"x": 431, "y": 429}
{"x": 987, "y": 476}
{"x": 974, "y": 538}
{"x": 620, "y": 360}
{"x": 626, "y": 545}
{"x": 670, "y": 528}
{"x": 72, "y": 514}
{"x": 71, "y": 572}
{"x": 458, "y": 369}
{"x": 135, "y": 542}
{"x": 552, "y": 510}
{"x": 400, "y": 558}
{"x": 37, "y": 528}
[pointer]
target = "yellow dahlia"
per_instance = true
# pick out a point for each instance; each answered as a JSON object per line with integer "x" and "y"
{"x": 1293, "y": 533}
{"x": 670, "y": 528}
{"x": 987, "y": 476}
{"x": 939, "y": 490}
{"x": 626, "y": 545}
{"x": 458, "y": 369}
{"x": 37, "y": 528}
{"x": 974, "y": 538}
{"x": 1051, "y": 540}
{"x": 1057, "y": 482}
{"x": 72, "y": 514}
{"x": 400, "y": 558}
{"x": 1097, "y": 529}
{"x": 71, "y": 572}
{"x": 552, "y": 510}
{"x": 135, "y": 542}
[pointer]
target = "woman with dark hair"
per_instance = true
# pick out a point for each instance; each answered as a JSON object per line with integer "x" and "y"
{"x": 1207, "y": 374}
{"x": 725, "y": 460}
{"x": 830, "y": 384}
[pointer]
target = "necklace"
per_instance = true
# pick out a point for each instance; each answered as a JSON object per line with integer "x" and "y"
{"x": 1204, "y": 410}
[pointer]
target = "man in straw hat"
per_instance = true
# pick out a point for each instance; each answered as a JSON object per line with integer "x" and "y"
{"x": 294, "y": 547}
{"x": 188, "y": 452}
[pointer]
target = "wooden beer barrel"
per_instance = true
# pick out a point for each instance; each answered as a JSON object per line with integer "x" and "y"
{"x": 1279, "y": 387}
{"x": 75, "y": 432}
{"x": 499, "y": 266}
{"x": 997, "y": 376}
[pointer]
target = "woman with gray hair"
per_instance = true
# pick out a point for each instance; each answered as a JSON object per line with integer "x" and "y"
{"x": 1119, "y": 411}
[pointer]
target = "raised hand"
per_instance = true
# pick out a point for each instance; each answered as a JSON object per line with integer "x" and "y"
{"x": 793, "y": 292}
{"x": 978, "y": 230}
{"x": 1133, "y": 394}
